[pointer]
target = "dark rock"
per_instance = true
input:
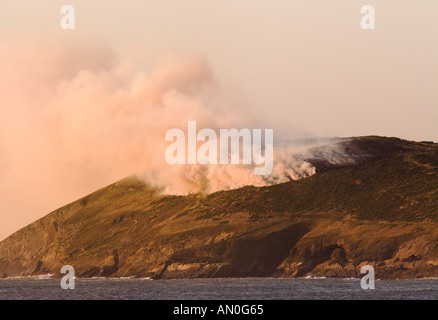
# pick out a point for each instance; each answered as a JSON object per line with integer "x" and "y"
{"x": 339, "y": 256}
{"x": 411, "y": 258}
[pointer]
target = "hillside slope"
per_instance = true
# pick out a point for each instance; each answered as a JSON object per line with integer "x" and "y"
{"x": 383, "y": 211}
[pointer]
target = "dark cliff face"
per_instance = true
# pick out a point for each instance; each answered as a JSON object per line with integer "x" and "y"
{"x": 382, "y": 210}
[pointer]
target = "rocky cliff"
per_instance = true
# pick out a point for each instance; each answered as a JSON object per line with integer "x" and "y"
{"x": 382, "y": 210}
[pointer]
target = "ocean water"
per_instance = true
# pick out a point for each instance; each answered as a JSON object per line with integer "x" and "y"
{"x": 205, "y": 289}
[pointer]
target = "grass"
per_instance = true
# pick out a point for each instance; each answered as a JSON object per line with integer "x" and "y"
{"x": 398, "y": 183}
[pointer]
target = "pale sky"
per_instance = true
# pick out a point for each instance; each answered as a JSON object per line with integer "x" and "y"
{"x": 305, "y": 64}
{"x": 305, "y": 67}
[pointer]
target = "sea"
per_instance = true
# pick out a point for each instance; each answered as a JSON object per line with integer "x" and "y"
{"x": 45, "y": 288}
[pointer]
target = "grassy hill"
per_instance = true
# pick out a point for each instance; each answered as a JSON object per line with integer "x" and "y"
{"x": 382, "y": 210}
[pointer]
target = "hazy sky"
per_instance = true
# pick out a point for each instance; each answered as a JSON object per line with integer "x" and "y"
{"x": 305, "y": 64}
{"x": 304, "y": 67}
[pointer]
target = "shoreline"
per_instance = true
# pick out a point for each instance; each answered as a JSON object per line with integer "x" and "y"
{"x": 135, "y": 278}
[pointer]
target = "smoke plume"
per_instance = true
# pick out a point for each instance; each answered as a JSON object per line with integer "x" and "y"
{"x": 75, "y": 117}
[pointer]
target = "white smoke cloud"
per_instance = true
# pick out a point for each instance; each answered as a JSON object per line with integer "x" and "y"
{"x": 75, "y": 117}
